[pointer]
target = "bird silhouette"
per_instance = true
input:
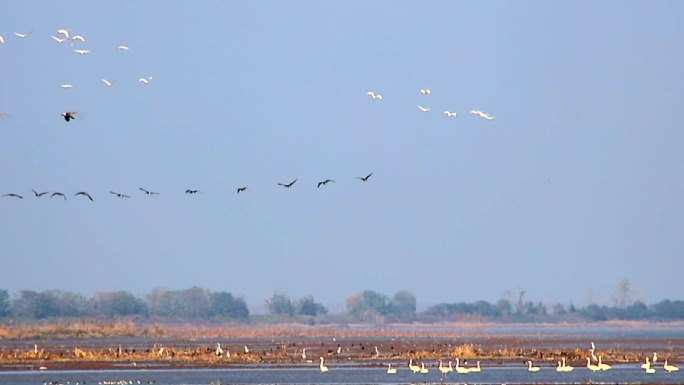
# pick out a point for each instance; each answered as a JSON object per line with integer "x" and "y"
{"x": 58, "y": 194}
{"x": 69, "y": 115}
{"x": 364, "y": 178}
{"x": 37, "y": 194}
{"x": 188, "y": 191}
{"x": 241, "y": 189}
{"x": 323, "y": 183}
{"x": 12, "y": 195}
{"x": 85, "y": 194}
{"x": 148, "y": 192}
{"x": 288, "y": 185}
{"x": 119, "y": 195}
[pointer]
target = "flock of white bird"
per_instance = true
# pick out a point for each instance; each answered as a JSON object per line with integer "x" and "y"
{"x": 448, "y": 113}
{"x": 76, "y": 42}
{"x": 562, "y": 367}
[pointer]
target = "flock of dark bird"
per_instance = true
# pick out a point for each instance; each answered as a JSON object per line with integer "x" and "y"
{"x": 85, "y": 194}
{"x": 64, "y": 35}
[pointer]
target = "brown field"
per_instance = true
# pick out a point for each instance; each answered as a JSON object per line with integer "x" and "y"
{"x": 127, "y": 344}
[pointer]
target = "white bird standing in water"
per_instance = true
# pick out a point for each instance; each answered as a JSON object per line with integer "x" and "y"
{"x": 423, "y": 369}
{"x": 669, "y": 368}
{"x": 647, "y": 364}
{"x": 531, "y": 368}
{"x": 593, "y": 351}
{"x": 414, "y": 368}
{"x": 323, "y": 368}
{"x": 601, "y": 365}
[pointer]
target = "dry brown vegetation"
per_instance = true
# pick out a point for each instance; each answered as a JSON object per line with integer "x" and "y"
{"x": 82, "y": 344}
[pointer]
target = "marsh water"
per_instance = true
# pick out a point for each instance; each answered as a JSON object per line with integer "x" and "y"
{"x": 495, "y": 375}
{"x": 667, "y": 341}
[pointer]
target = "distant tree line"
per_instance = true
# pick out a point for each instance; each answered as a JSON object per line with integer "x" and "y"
{"x": 365, "y": 306}
{"x": 186, "y": 304}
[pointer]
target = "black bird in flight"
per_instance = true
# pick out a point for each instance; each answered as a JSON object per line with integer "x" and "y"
{"x": 241, "y": 189}
{"x": 364, "y": 178}
{"x": 58, "y": 194}
{"x": 188, "y": 191}
{"x": 323, "y": 183}
{"x": 69, "y": 115}
{"x": 85, "y": 194}
{"x": 148, "y": 192}
{"x": 289, "y": 184}
{"x": 37, "y": 194}
{"x": 119, "y": 195}
{"x": 13, "y": 195}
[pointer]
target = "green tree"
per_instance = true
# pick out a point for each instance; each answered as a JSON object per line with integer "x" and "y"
{"x": 280, "y": 304}
{"x": 403, "y": 305}
{"x": 193, "y": 302}
{"x": 118, "y": 303}
{"x": 504, "y": 307}
{"x": 367, "y": 305}
{"x": 307, "y": 306}
{"x": 225, "y": 305}
{"x": 163, "y": 302}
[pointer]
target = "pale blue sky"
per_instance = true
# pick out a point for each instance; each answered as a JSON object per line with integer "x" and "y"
{"x": 575, "y": 185}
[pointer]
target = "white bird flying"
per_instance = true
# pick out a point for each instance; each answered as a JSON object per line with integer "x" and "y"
{"x": 450, "y": 114}
{"x": 64, "y": 32}
{"x": 66, "y": 85}
{"x": 23, "y": 35}
{"x": 109, "y": 83}
{"x": 374, "y": 95}
{"x": 145, "y": 80}
{"x": 2, "y": 40}
{"x": 82, "y": 51}
{"x": 424, "y": 109}
{"x": 123, "y": 48}
{"x": 58, "y": 40}
{"x": 425, "y": 91}
{"x": 80, "y": 38}
{"x": 481, "y": 114}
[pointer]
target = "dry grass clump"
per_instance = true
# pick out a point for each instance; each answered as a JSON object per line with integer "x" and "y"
{"x": 80, "y": 329}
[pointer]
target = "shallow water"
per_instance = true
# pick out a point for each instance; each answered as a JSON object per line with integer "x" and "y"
{"x": 489, "y": 375}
